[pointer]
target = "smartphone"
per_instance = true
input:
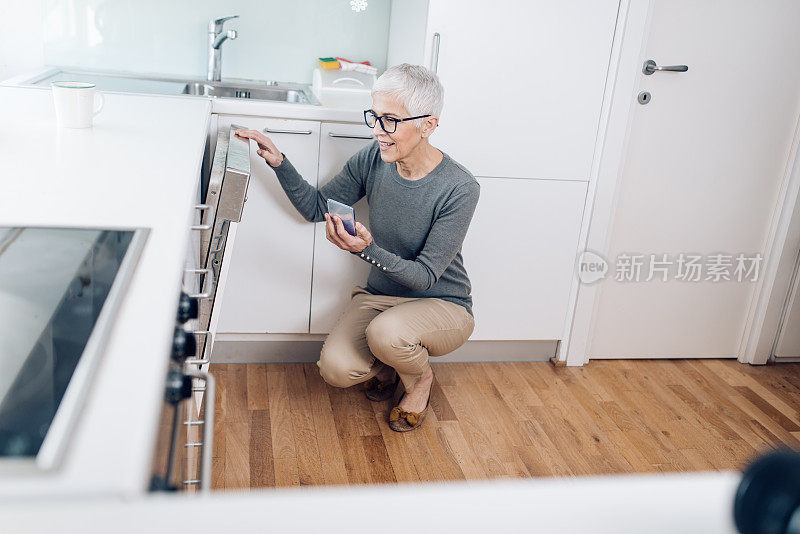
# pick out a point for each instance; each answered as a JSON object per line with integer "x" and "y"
{"x": 346, "y": 213}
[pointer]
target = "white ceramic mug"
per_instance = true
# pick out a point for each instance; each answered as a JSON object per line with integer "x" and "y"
{"x": 75, "y": 103}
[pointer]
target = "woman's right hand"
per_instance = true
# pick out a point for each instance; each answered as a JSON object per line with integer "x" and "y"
{"x": 266, "y": 148}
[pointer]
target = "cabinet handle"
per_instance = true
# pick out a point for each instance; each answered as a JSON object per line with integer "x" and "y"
{"x": 210, "y": 274}
{"x": 298, "y": 132}
{"x": 202, "y": 227}
{"x": 435, "y": 52}
{"x": 345, "y": 136}
{"x": 203, "y": 479}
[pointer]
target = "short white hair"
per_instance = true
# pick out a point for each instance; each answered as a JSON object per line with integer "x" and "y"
{"x": 413, "y": 86}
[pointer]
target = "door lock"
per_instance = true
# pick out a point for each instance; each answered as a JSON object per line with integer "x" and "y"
{"x": 644, "y": 98}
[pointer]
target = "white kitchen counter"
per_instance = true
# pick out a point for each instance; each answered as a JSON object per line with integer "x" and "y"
{"x": 138, "y": 167}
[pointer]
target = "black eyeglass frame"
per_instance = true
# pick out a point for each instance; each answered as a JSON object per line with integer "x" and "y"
{"x": 379, "y": 119}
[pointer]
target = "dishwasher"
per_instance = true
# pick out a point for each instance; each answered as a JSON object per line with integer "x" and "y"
{"x": 182, "y": 453}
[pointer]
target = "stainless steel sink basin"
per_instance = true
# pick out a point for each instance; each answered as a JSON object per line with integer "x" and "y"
{"x": 276, "y": 93}
{"x": 292, "y": 93}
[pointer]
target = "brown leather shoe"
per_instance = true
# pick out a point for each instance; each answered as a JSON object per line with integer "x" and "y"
{"x": 403, "y": 421}
{"x": 378, "y": 391}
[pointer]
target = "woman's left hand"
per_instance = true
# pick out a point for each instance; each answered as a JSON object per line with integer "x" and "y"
{"x": 336, "y": 234}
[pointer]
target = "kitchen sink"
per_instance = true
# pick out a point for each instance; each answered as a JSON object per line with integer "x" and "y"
{"x": 292, "y": 93}
{"x": 274, "y": 92}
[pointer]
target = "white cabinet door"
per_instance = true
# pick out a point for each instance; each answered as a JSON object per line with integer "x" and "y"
{"x": 520, "y": 256}
{"x": 523, "y": 83}
{"x": 268, "y": 287}
{"x": 336, "y": 271}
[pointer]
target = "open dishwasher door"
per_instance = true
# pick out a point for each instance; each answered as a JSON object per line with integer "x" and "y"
{"x": 225, "y": 197}
{"x": 183, "y": 456}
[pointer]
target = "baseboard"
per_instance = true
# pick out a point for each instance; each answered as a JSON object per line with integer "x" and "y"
{"x": 308, "y": 351}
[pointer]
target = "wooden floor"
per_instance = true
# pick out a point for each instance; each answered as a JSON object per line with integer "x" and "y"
{"x": 281, "y": 425}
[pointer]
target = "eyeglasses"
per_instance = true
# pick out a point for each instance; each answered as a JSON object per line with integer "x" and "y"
{"x": 389, "y": 124}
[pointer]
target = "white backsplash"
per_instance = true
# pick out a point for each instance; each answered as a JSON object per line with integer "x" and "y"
{"x": 278, "y": 39}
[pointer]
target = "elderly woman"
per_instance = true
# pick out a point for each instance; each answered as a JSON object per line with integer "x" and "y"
{"x": 416, "y": 302}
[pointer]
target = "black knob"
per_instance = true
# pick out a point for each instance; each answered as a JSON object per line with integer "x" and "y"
{"x": 187, "y": 308}
{"x": 158, "y": 483}
{"x": 768, "y": 497}
{"x": 179, "y": 386}
{"x": 184, "y": 345}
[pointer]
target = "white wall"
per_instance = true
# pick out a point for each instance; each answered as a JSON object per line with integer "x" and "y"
{"x": 278, "y": 39}
{"x": 21, "y": 45}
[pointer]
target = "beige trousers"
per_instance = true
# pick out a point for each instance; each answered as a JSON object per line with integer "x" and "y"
{"x": 398, "y": 331}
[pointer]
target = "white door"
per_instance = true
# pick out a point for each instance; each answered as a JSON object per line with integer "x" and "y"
{"x": 268, "y": 288}
{"x": 705, "y": 160}
{"x": 523, "y": 83}
{"x": 336, "y": 271}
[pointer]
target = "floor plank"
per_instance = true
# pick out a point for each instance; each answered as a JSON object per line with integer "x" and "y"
{"x": 305, "y": 435}
{"x": 256, "y": 394}
{"x": 262, "y": 464}
{"x": 284, "y": 452}
{"x": 330, "y": 450}
{"x": 281, "y": 425}
{"x": 355, "y": 458}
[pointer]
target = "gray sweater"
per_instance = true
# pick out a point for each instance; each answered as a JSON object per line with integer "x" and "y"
{"x": 417, "y": 226}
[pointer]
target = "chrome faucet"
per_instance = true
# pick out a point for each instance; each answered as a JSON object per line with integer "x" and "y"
{"x": 215, "y": 40}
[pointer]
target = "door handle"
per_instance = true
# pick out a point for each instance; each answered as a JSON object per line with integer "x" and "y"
{"x": 650, "y": 67}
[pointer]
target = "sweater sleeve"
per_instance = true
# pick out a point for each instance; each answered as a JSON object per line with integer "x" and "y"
{"x": 312, "y": 203}
{"x": 444, "y": 241}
